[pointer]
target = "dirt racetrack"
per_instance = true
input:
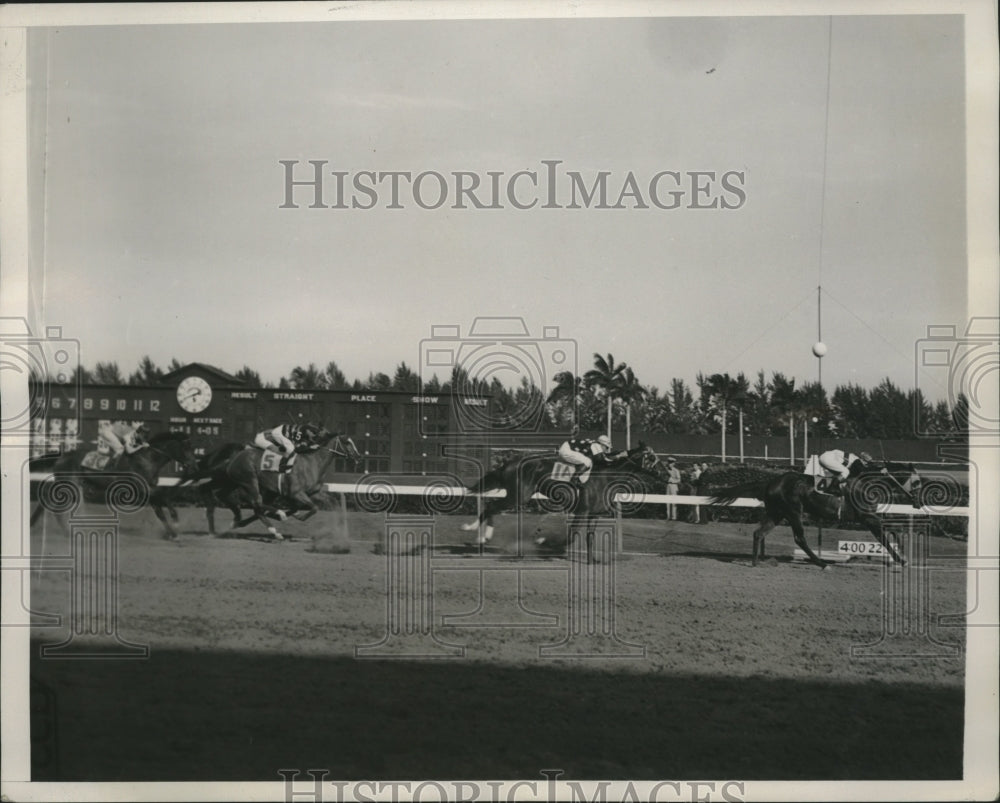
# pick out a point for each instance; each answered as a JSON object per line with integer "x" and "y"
{"x": 729, "y": 672}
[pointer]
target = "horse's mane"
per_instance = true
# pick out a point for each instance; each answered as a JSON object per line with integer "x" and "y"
{"x": 327, "y": 436}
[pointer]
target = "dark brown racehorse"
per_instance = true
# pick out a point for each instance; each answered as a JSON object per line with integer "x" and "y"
{"x": 143, "y": 465}
{"x": 234, "y": 478}
{"x": 523, "y": 476}
{"x": 788, "y": 496}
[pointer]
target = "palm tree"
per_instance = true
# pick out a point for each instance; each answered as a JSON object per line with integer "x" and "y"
{"x": 722, "y": 390}
{"x": 630, "y": 391}
{"x": 812, "y": 406}
{"x": 760, "y": 411}
{"x": 740, "y": 397}
{"x": 682, "y": 408}
{"x": 606, "y": 377}
{"x": 784, "y": 403}
{"x": 655, "y": 415}
{"x": 569, "y": 388}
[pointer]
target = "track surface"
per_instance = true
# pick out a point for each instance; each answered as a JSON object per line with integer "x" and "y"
{"x": 741, "y": 673}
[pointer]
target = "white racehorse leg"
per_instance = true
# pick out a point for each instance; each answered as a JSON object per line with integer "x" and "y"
{"x": 472, "y": 525}
{"x": 275, "y": 534}
{"x": 486, "y": 536}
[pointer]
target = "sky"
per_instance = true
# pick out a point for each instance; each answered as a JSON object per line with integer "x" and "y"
{"x": 162, "y": 186}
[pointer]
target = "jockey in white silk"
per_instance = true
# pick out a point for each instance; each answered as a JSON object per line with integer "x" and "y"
{"x": 584, "y": 452}
{"x": 121, "y": 437}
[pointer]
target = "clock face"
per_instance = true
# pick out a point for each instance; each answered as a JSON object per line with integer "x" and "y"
{"x": 194, "y": 394}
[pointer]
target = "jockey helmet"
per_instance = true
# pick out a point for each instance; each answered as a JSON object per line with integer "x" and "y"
{"x": 605, "y": 441}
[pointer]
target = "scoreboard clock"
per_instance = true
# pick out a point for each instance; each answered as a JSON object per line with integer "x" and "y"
{"x": 194, "y": 394}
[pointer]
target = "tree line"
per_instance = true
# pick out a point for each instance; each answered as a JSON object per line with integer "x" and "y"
{"x": 609, "y": 396}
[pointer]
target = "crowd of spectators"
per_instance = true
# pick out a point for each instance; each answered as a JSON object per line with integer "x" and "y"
{"x": 685, "y": 481}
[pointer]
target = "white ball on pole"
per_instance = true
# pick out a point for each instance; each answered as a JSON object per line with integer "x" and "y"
{"x": 819, "y": 348}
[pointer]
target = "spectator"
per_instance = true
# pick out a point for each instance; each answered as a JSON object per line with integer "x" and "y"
{"x": 703, "y": 514}
{"x": 673, "y": 486}
{"x": 694, "y": 475}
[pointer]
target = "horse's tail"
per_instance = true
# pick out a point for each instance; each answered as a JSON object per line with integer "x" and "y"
{"x": 726, "y": 496}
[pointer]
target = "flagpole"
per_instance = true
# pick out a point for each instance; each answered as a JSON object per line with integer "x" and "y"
{"x": 819, "y": 349}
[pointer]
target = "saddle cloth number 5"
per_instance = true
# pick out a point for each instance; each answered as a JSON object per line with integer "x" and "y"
{"x": 272, "y": 461}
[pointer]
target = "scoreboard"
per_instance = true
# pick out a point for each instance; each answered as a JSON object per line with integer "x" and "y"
{"x": 395, "y": 431}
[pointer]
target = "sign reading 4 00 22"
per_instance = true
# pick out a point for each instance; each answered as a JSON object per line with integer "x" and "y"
{"x": 862, "y": 548}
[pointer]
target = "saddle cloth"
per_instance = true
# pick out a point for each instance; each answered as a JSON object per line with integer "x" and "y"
{"x": 562, "y": 472}
{"x": 272, "y": 461}
{"x": 95, "y": 460}
{"x": 821, "y": 476}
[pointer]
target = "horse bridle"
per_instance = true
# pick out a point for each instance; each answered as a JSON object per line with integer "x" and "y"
{"x": 338, "y": 439}
{"x": 648, "y": 459}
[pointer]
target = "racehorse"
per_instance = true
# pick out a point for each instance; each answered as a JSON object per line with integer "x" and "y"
{"x": 524, "y": 475}
{"x": 787, "y": 496}
{"x": 235, "y": 479}
{"x": 145, "y": 464}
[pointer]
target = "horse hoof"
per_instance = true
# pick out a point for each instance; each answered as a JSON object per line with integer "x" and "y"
{"x": 470, "y": 527}
{"x": 540, "y": 541}
{"x": 278, "y": 536}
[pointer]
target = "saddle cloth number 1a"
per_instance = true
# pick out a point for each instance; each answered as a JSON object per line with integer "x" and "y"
{"x": 562, "y": 471}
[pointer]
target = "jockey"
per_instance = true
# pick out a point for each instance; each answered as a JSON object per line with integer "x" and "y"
{"x": 284, "y": 439}
{"x": 585, "y": 452}
{"x": 310, "y": 432}
{"x": 121, "y": 437}
{"x": 840, "y": 465}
